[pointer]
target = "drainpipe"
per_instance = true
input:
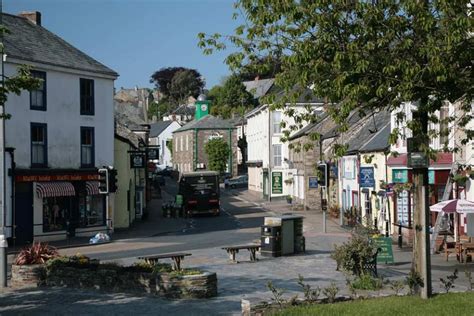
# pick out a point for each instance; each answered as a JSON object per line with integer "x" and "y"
{"x": 195, "y": 160}
{"x": 231, "y": 153}
{"x": 11, "y": 151}
{"x": 269, "y": 155}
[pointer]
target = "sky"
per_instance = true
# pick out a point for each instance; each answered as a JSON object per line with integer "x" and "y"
{"x": 137, "y": 37}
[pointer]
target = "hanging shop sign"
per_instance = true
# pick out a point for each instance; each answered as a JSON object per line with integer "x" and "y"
{"x": 137, "y": 159}
{"x": 277, "y": 185}
{"x": 400, "y": 175}
{"x": 366, "y": 177}
{"x": 153, "y": 152}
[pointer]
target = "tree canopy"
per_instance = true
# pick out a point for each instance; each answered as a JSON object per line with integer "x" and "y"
{"x": 218, "y": 152}
{"x": 361, "y": 55}
{"x": 178, "y": 83}
{"x": 231, "y": 97}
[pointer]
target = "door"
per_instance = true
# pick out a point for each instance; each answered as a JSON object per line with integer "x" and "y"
{"x": 265, "y": 185}
{"x": 23, "y": 217}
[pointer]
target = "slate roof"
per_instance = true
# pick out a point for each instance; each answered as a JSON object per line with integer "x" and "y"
{"x": 30, "y": 42}
{"x": 126, "y": 134}
{"x": 353, "y": 119}
{"x": 379, "y": 142}
{"x": 158, "y": 128}
{"x": 370, "y": 129}
{"x": 207, "y": 122}
{"x": 259, "y": 88}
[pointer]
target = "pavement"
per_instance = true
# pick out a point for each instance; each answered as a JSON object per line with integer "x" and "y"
{"x": 245, "y": 280}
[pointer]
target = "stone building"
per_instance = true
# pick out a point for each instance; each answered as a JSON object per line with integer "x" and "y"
{"x": 189, "y": 142}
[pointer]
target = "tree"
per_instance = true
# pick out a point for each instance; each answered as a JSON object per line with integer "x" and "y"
{"x": 218, "y": 152}
{"x": 183, "y": 85}
{"x": 160, "y": 108}
{"x": 163, "y": 79}
{"x": 231, "y": 97}
{"x": 366, "y": 56}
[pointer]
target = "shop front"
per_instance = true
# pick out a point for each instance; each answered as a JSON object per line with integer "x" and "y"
{"x": 63, "y": 206}
{"x": 401, "y": 188}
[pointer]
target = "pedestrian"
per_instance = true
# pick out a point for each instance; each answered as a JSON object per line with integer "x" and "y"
{"x": 226, "y": 183}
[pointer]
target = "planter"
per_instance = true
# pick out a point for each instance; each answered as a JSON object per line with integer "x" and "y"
{"x": 27, "y": 275}
{"x": 187, "y": 286}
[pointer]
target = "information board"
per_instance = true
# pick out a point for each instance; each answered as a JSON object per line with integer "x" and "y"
{"x": 385, "y": 254}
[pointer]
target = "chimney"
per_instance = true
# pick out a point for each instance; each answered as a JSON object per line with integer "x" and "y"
{"x": 33, "y": 16}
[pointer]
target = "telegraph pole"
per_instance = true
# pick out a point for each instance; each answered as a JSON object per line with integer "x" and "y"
{"x": 3, "y": 244}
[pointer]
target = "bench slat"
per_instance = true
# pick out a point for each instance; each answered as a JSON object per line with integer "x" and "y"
{"x": 165, "y": 256}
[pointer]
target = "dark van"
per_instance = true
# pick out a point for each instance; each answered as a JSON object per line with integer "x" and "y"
{"x": 200, "y": 192}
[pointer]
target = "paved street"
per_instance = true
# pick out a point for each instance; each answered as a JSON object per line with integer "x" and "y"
{"x": 203, "y": 237}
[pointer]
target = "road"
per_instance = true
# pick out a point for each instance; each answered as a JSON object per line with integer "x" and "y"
{"x": 239, "y": 222}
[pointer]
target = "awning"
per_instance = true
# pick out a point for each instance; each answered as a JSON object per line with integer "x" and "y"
{"x": 50, "y": 189}
{"x": 92, "y": 187}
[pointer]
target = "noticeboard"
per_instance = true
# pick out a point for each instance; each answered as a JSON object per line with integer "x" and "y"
{"x": 277, "y": 186}
{"x": 385, "y": 254}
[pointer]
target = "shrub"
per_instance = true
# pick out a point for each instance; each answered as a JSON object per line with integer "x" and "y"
{"x": 352, "y": 255}
{"x": 448, "y": 283}
{"x": 414, "y": 281}
{"x": 310, "y": 295}
{"x": 331, "y": 292}
{"x": 37, "y": 253}
{"x": 397, "y": 286}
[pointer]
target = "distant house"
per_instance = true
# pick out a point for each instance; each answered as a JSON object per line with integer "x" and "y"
{"x": 161, "y": 133}
{"x": 59, "y": 135}
{"x": 183, "y": 114}
{"x": 189, "y": 143}
{"x": 269, "y": 169}
{"x": 129, "y": 199}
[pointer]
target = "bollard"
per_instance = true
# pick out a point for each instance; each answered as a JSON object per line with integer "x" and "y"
{"x": 400, "y": 237}
{"x": 3, "y": 261}
{"x": 386, "y": 228}
{"x": 375, "y": 224}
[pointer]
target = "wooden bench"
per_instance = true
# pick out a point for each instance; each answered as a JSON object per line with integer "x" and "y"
{"x": 176, "y": 257}
{"x": 232, "y": 250}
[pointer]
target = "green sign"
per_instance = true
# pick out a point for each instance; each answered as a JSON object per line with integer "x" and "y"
{"x": 385, "y": 254}
{"x": 431, "y": 177}
{"x": 179, "y": 199}
{"x": 277, "y": 185}
{"x": 399, "y": 176}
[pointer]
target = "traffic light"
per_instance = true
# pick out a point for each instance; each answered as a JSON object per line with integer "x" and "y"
{"x": 103, "y": 181}
{"x": 323, "y": 175}
{"x": 112, "y": 180}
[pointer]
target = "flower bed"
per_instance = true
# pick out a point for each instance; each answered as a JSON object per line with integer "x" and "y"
{"x": 139, "y": 278}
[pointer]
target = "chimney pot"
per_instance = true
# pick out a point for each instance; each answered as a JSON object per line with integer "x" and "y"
{"x": 33, "y": 16}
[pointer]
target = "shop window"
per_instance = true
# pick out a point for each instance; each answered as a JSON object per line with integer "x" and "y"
{"x": 38, "y": 96}
{"x": 87, "y": 96}
{"x": 91, "y": 210}
{"x": 56, "y": 210}
{"x": 87, "y": 146}
{"x": 39, "y": 152}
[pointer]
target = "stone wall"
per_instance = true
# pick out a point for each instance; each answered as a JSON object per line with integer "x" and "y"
{"x": 26, "y": 275}
{"x": 120, "y": 279}
{"x": 183, "y": 151}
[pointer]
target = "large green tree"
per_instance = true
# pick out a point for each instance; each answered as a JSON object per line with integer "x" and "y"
{"x": 231, "y": 97}
{"x": 218, "y": 152}
{"x": 178, "y": 83}
{"x": 366, "y": 56}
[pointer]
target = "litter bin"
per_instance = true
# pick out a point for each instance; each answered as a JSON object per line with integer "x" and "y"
{"x": 271, "y": 241}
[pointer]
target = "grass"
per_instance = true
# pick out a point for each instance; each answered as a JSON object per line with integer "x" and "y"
{"x": 442, "y": 304}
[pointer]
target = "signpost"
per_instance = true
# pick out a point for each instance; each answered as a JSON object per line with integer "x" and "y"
{"x": 277, "y": 185}
{"x": 385, "y": 254}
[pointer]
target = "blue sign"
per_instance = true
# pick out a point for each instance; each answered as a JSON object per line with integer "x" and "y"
{"x": 366, "y": 177}
{"x": 313, "y": 182}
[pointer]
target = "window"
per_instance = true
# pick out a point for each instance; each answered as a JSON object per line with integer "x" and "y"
{"x": 55, "y": 212}
{"x": 181, "y": 143}
{"x": 403, "y": 208}
{"x": 92, "y": 210}
{"x": 39, "y": 145}
{"x": 277, "y": 155}
{"x": 187, "y": 142}
{"x": 38, "y": 96}
{"x": 87, "y": 146}
{"x": 87, "y": 96}
{"x": 276, "y": 122}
